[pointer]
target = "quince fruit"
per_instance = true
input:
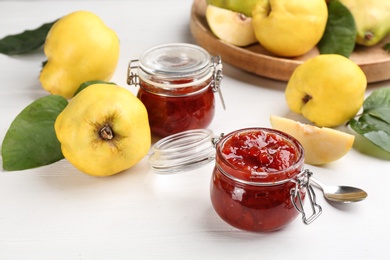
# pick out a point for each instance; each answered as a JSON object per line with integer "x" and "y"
{"x": 239, "y": 6}
{"x": 328, "y": 90}
{"x": 232, "y": 27}
{"x": 372, "y": 18}
{"x": 321, "y": 145}
{"x": 79, "y": 48}
{"x": 289, "y": 28}
{"x": 103, "y": 130}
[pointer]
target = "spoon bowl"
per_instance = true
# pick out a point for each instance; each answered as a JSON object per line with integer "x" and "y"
{"x": 343, "y": 194}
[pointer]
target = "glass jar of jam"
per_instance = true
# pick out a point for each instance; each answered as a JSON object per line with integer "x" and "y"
{"x": 177, "y": 84}
{"x": 258, "y": 179}
{"x": 258, "y": 182}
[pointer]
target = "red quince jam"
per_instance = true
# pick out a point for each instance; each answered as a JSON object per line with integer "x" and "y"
{"x": 253, "y": 178}
{"x": 257, "y": 152}
{"x": 175, "y": 110}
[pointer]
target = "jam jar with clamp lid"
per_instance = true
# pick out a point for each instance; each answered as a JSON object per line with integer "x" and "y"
{"x": 258, "y": 182}
{"x": 177, "y": 84}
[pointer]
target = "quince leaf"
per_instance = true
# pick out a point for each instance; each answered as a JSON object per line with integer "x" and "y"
{"x": 386, "y": 47}
{"x": 89, "y": 83}
{"x": 26, "y": 41}
{"x": 340, "y": 31}
{"x": 379, "y": 98}
{"x": 374, "y": 123}
{"x": 382, "y": 114}
{"x": 378, "y": 104}
{"x": 373, "y": 129}
{"x": 31, "y": 139}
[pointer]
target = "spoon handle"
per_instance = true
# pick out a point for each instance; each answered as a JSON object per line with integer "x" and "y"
{"x": 316, "y": 183}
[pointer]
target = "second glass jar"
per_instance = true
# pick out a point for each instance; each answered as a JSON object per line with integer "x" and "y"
{"x": 177, "y": 84}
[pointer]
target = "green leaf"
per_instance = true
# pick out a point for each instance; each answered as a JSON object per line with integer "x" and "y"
{"x": 31, "y": 140}
{"x": 380, "y": 98}
{"x": 340, "y": 31}
{"x": 26, "y": 41}
{"x": 374, "y": 130}
{"x": 386, "y": 47}
{"x": 374, "y": 123}
{"x": 378, "y": 104}
{"x": 382, "y": 114}
{"x": 89, "y": 83}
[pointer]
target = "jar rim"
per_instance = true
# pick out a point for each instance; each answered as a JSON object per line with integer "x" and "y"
{"x": 299, "y": 162}
{"x": 174, "y": 61}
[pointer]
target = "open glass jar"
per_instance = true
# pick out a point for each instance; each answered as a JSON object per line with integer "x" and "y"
{"x": 258, "y": 182}
{"x": 177, "y": 84}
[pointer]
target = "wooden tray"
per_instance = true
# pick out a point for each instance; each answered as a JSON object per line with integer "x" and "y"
{"x": 374, "y": 61}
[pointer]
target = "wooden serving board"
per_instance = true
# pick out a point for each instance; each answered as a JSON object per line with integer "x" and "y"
{"x": 374, "y": 61}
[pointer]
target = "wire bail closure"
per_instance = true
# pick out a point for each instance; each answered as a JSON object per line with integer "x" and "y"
{"x": 132, "y": 77}
{"x": 216, "y": 63}
{"x": 303, "y": 181}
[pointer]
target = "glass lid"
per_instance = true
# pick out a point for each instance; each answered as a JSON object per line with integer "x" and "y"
{"x": 183, "y": 151}
{"x": 175, "y": 60}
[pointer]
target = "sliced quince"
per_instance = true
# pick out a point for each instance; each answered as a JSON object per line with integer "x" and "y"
{"x": 231, "y": 27}
{"x": 321, "y": 144}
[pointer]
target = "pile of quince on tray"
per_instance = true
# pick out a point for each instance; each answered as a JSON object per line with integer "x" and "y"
{"x": 292, "y": 28}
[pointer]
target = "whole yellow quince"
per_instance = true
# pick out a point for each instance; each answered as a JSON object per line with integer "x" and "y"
{"x": 238, "y": 6}
{"x": 328, "y": 89}
{"x": 289, "y": 28}
{"x": 79, "y": 47}
{"x": 372, "y": 19}
{"x": 103, "y": 130}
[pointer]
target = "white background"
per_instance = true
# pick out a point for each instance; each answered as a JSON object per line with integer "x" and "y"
{"x": 57, "y": 212}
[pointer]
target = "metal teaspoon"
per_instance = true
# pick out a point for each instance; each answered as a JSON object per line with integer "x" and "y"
{"x": 343, "y": 194}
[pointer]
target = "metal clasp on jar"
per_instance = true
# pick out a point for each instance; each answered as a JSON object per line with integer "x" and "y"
{"x": 132, "y": 77}
{"x": 303, "y": 181}
{"x": 216, "y": 62}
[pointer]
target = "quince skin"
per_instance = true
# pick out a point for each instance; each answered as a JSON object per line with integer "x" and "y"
{"x": 79, "y": 47}
{"x": 238, "y": 6}
{"x": 289, "y": 28}
{"x": 103, "y": 130}
{"x": 328, "y": 89}
{"x": 372, "y": 19}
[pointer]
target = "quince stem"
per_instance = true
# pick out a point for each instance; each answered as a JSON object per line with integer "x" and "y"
{"x": 306, "y": 98}
{"x": 368, "y": 35}
{"x": 106, "y": 132}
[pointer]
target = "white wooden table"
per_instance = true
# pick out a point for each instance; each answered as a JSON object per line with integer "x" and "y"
{"x": 56, "y": 212}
